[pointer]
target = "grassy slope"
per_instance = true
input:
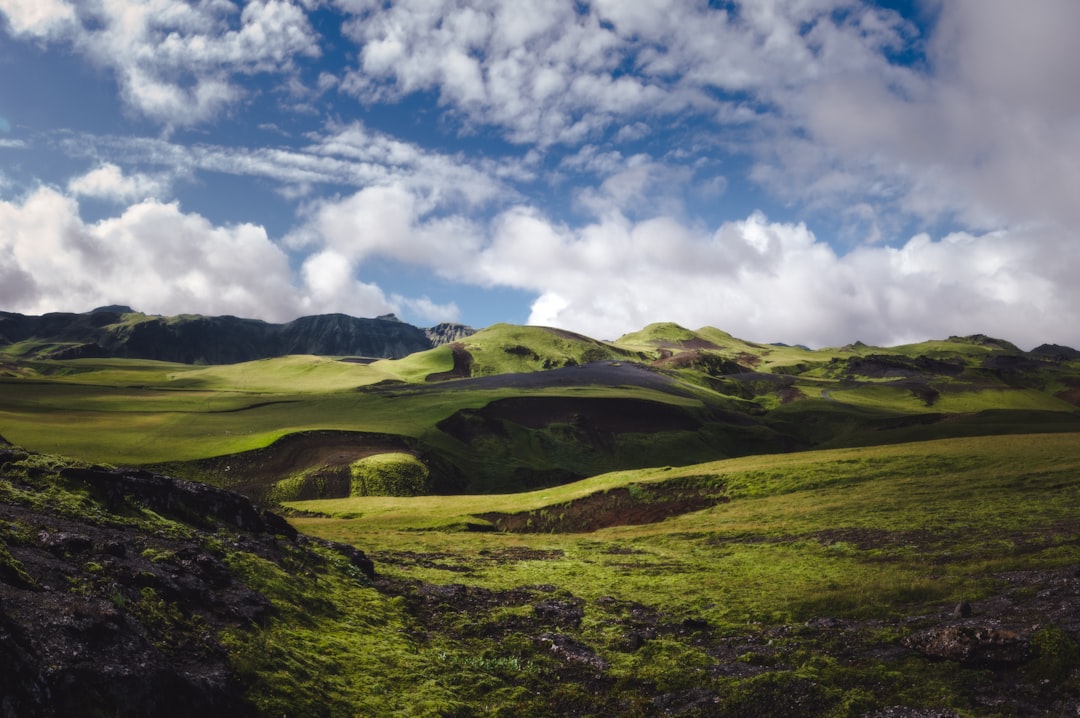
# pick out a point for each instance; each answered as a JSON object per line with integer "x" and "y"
{"x": 131, "y": 411}
{"x": 507, "y": 348}
{"x": 76, "y": 416}
{"x": 875, "y": 535}
{"x": 973, "y": 498}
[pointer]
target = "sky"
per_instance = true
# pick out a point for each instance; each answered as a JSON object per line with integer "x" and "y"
{"x": 811, "y": 172}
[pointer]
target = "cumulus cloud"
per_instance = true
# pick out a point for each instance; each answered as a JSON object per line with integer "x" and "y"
{"x": 38, "y": 18}
{"x": 973, "y": 130}
{"x": 161, "y": 260}
{"x": 976, "y": 134}
{"x": 763, "y": 280}
{"x": 174, "y": 60}
{"x": 562, "y": 72}
{"x": 546, "y": 73}
{"x": 769, "y": 281}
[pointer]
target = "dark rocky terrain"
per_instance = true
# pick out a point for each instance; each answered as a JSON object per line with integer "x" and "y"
{"x": 116, "y": 588}
{"x": 118, "y": 331}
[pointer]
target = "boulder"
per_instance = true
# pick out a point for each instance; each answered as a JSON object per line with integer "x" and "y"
{"x": 977, "y": 645}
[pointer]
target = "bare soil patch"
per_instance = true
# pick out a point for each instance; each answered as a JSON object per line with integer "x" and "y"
{"x": 631, "y": 506}
{"x": 1072, "y": 394}
{"x": 462, "y": 365}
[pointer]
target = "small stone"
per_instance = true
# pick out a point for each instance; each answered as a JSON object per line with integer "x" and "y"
{"x": 962, "y": 610}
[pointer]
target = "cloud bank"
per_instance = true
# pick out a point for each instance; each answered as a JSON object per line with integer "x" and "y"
{"x": 912, "y": 176}
{"x": 761, "y": 280}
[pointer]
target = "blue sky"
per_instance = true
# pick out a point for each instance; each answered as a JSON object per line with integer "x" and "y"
{"x": 806, "y": 171}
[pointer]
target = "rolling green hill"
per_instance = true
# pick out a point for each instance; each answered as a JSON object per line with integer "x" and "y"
{"x": 674, "y": 523}
{"x": 512, "y": 408}
{"x": 929, "y": 579}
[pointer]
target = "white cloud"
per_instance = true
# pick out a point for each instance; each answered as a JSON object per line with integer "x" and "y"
{"x": 174, "y": 60}
{"x": 761, "y": 280}
{"x": 161, "y": 260}
{"x": 544, "y": 73}
{"x": 770, "y": 281}
{"x": 38, "y": 18}
{"x": 431, "y": 312}
{"x": 561, "y": 72}
{"x": 978, "y": 134}
{"x": 348, "y": 155}
{"x": 108, "y": 181}
{"x": 331, "y": 285}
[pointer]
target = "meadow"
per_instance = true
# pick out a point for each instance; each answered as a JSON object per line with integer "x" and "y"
{"x": 675, "y": 523}
{"x": 794, "y": 593}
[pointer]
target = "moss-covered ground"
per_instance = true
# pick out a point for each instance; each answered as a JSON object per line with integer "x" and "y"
{"x": 795, "y": 591}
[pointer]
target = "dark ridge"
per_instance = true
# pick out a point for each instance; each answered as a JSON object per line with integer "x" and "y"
{"x": 986, "y": 341}
{"x": 117, "y": 331}
{"x": 114, "y": 309}
{"x": 448, "y": 333}
{"x": 1056, "y": 352}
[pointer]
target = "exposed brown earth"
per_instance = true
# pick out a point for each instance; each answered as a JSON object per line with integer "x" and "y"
{"x": 462, "y": 365}
{"x": 630, "y": 506}
{"x": 1072, "y": 394}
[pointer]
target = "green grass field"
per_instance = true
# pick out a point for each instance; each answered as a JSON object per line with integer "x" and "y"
{"x": 936, "y": 513}
{"x": 779, "y": 582}
{"x": 879, "y": 541}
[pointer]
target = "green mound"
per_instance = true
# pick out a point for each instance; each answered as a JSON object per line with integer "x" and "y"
{"x": 505, "y": 348}
{"x": 394, "y": 474}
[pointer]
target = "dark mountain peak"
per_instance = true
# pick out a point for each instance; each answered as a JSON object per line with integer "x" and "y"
{"x": 116, "y": 331}
{"x": 448, "y": 333}
{"x": 391, "y": 317}
{"x": 113, "y": 309}
{"x": 985, "y": 341}
{"x": 342, "y": 335}
{"x": 1056, "y": 352}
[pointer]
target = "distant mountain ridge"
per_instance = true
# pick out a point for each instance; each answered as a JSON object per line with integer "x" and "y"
{"x": 119, "y": 331}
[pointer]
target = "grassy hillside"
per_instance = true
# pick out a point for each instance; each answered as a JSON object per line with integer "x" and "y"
{"x": 514, "y": 408}
{"x": 814, "y": 584}
{"x": 507, "y": 348}
{"x": 676, "y": 523}
{"x": 936, "y": 578}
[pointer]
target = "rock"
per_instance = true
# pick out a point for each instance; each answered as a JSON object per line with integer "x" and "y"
{"x": 447, "y": 333}
{"x": 973, "y": 645}
{"x": 64, "y": 542}
{"x": 566, "y": 613}
{"x": 696, "y": 701}
{"x": 121, "y": 610}
{"x": 905, "y": 712}
{"x": 962, "y": 610}
{"x": 114, "y": 332}
{"x": 188, "y": 501}
{"x": 278, "y": 526}
{"x": 570, "y": 650}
